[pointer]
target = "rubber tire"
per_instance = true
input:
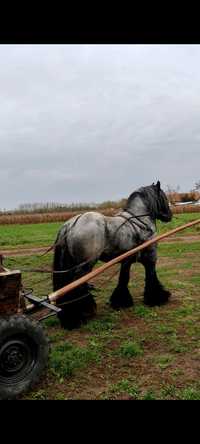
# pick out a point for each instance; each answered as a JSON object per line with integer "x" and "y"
{"x": 15, "y": 328}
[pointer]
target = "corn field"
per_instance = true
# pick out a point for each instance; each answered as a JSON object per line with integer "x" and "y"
{"x": 37, "y": 218}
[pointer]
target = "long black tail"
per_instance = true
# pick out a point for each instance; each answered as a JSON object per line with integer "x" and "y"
{"x": 62, "y": 265}
{"x": 66, "y": 271}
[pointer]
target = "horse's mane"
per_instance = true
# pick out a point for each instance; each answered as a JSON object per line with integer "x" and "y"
{"x": 148, "y": 196}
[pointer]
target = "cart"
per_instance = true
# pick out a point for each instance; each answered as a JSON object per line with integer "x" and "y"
{"x": 24, "y": 346}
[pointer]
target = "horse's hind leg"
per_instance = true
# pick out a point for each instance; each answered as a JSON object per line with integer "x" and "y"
{"x": 80, "y": 309}
{"x": 79, "y": 306}
{"x": 121, "y": 297}
{"x": 154, "y": 292}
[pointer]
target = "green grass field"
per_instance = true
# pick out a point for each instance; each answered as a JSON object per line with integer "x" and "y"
{"x": 39, "y": 235}
{"x": 27, "y": 236}
{"x": 138, "y": 353}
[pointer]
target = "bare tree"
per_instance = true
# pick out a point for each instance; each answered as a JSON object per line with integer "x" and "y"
{"x": 197, "y": 185}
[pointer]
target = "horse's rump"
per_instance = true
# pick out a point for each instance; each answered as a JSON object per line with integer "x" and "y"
{"x": 86, "y": 239}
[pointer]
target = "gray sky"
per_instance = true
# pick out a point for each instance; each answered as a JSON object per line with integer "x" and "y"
{"x": 88, "y": 123}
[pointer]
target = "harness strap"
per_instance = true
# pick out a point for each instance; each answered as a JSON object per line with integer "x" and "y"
{"x": 130, "y": 222}
{"x": 137, "y": 217}
{"x": 133, "y": 223}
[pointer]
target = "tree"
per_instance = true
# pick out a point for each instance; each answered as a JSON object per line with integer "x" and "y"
{"x": 173, "y": 194}
{"x": 197, "y": 185}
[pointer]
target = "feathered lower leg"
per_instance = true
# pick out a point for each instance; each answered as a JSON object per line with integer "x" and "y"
{"x": 121, "y": 297}
{"x": 154, "y": 291}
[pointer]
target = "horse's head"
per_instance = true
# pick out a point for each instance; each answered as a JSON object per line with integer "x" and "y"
{"x": 162, "y": 208}
{"x": 154, "y": 200}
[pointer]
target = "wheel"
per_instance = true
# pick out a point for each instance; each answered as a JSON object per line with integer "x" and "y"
{"x": 24, "y": 353}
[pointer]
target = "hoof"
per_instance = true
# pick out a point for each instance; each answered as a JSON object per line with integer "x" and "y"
{"x": 67, "y": 322}
{"x": 154, "y": 299}
{"x": 78, "y": 313}
{"x": 121, "y": 298}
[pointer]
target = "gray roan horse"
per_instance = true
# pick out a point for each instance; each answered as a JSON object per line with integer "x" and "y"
{"x": 91, "y": 236}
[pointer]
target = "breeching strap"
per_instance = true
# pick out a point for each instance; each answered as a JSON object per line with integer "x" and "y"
{"x": 53, "y": 297}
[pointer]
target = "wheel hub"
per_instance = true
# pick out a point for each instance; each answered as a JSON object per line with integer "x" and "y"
{"x": 16, "y": 359}
{"x": 13, "y": 357}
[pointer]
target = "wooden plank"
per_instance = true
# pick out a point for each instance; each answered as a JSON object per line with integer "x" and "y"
{"x": 10, "y": 287}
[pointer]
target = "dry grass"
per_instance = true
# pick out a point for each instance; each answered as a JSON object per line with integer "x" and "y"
{"x": 38, "y": 218}
{"x": 186, "y": 209}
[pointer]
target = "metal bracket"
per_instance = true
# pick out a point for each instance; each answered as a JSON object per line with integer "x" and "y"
{"x": 41, "y": 302}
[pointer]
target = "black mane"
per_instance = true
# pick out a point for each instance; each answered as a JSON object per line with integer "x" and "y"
{"x": 149, "y": 196}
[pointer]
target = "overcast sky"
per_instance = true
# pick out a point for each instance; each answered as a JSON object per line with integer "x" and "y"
{"x": 88, "y": 123}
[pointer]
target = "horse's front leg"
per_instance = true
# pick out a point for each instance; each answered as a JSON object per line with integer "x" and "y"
{"x": 121, "y": 298}
{"x": 154, "y": 292}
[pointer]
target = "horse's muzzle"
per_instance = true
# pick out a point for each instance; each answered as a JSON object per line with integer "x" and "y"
{"x": 166, "y": 217}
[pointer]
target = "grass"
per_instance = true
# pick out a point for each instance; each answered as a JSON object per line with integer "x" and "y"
{"x": 178, "y": 250}
{"x": 178, "y": 220}
{"x": 44, "y": 234}
{"x": 130, "y": 349}
{"x": 144, "y": 312}
{"x": 164, "y": 361}
{"x": 189, "y": 394}
{"x": 27, "y": 236}
{"x": 127, "y": 388}
{"x": 102, "y": 325}
{"x": 138, "y": 353}
{"x": 66, "y": 358}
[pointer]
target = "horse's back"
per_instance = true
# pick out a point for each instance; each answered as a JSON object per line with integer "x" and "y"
{"x": 86, "y": 238}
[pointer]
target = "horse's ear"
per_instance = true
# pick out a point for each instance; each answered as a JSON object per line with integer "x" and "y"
{"x": 158, "y": 185}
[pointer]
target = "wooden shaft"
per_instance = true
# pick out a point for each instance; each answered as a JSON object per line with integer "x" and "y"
{"x": 53, "y": 297}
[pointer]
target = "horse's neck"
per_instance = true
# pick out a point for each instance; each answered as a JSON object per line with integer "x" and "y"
{"x": 137, "y": 206}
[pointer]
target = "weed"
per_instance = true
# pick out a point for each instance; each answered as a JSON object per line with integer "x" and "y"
{"x": 38, "y": 395}
{"x": 169, "y": 391}
{"x": 130, "y": 349}
{"x": 149, "y": 396}
{"x": 125, "y": 386}
{"x": 189, "y": 393}
{"x": 66, "y": 358}
{"x": 164, "y": 329}
{"x": 98, "y": 326}
{"x": 144, "y": 312}
{"x": 52, "y": 322}
{"x": 164, "y": 361}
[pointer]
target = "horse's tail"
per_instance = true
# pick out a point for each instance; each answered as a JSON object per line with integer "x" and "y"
{"x": 62, "y": 262}
{"x": 64, "y": 272}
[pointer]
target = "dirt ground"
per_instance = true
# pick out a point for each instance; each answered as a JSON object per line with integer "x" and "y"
{"x": 138, "y": 353}
{"x": 42, "y": 250}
